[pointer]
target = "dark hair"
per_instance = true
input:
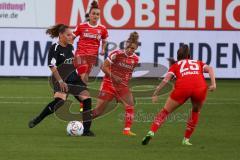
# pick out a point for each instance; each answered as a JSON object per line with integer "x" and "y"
{"x": 87, "y": 17}
{"x": 183, "y": 52}
{"x": 133, "y": 38}
{"x": 94, "y": 5}
{"x": 55, "y": 30}
{"x": 171, "y": 61}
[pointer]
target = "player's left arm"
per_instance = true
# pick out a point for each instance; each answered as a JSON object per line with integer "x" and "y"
{"x": 104, "y": 41}
{"x": 104, "y": 46}
{"x": 208, "y": 69}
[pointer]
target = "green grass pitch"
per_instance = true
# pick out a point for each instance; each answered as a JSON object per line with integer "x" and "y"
{"x": 216, "y": 137}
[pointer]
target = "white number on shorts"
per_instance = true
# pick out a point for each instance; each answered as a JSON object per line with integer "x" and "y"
{"x": 192, "y": 65}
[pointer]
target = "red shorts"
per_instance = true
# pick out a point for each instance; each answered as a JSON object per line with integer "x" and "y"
{"x": 84, "y": 63}
{"x": 108, "y": 91}
{"x": 197, "y": 95}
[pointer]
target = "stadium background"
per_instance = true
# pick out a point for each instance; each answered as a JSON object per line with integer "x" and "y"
{"x": 210, "y": 27}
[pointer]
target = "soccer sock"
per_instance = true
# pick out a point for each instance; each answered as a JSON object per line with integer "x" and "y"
{"x": 159, "y": 120}
{"x": 87, "y": 114}
{"x": 191, "y": 124}
{"x": 50, "y": 108}
{"x": 129, "y": 116}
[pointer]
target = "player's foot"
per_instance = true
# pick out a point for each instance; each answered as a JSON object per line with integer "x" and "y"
{"x": 186, "y": 142}
{"x": 128, "y": 133}
{"x": 81, "y": 109}
{"x": 88, "y": 134}
{"x": 147, "y": 138}
{"x": 33, "y": 123}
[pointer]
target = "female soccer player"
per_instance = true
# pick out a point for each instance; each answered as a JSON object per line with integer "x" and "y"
{"x": 118, "y": 69}
{"x": 59, "y": 53}
{"x": 91, "y": 33}
{"x": 190, "y": 84}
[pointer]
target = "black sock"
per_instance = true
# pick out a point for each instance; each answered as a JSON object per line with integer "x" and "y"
{"x": 87, "y": 114}
{"x": 50, "y": 108}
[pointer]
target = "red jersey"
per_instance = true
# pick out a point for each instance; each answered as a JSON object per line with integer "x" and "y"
{"x": 122, "y": 65}
{"x": 90, "y": 37}
{"x": 189, "y": 74}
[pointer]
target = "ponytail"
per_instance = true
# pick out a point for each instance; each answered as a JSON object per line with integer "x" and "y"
{"x": 55, "y": 30}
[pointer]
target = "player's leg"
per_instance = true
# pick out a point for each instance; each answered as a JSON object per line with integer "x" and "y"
{"x": 160, "y": 118}
{"x": 197, "y": 99}
{"x": 86, "y": 101}
{"x": 100, "y": 107}
{"x": 126, "y": 97}
{"x": 79, "y": 89}
{"x": 58, "y": 101}
{"x": 105, "y": 96}
{"x": 84, "y": 65}
{"x": 176, "y": 99}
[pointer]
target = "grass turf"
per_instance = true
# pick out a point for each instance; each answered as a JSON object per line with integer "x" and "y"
{"x": 216, "y": 137}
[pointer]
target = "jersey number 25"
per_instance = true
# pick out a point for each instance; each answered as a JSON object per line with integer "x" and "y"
{"x": 193, "y": 65}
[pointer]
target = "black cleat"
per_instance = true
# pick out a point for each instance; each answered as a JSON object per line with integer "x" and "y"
{"x": 146, "y": 140}
{"x": 32, "y": 123}
{"x": 89, "y": 134}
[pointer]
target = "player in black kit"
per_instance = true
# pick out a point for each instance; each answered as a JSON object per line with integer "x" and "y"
{"x": 64, "y": 82}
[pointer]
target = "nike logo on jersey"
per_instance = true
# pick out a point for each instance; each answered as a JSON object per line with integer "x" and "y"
{"x": 62, "y": 54}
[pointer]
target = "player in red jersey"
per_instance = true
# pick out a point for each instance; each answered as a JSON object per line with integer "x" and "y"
{"x": 118, "y": 69}
{"x": 190, "y": 84}
{"x": 91, "y": 33}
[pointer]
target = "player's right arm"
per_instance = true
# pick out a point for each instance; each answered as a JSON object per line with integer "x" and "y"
{"x": 106, "y": 67}
{"x": 53, "y": 68}
{"x": 208, "y": 69}
{"x": 169, "y": 76}
{"x": 77, "y": 31}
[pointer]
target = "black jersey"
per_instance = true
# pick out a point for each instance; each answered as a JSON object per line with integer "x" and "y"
{"x": 56, "y": 57}
{"x": 58, "y": 54}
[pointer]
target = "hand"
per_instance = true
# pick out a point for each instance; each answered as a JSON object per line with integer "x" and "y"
{"x": 212, "y": 87}
{"x": 102, "y": 53}
{"x": 63, "y": 86}
{"x": 154, "y": 99}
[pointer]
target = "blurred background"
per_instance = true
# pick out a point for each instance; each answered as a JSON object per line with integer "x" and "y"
{"x": 210, "y": 27}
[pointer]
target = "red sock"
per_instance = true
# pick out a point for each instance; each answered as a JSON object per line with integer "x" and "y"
{"x": 81, "y": 105}
{"x": 159, "y": 119}
{"x": 129, "y": 116}
{"x": 191, "y": 124}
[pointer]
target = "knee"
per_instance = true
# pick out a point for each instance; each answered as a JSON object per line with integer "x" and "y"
{"x": 56, "y": 104}
{"x": 196, "y": 109}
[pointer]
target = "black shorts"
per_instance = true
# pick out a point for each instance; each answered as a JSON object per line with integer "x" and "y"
{"x": 69, "y": 75}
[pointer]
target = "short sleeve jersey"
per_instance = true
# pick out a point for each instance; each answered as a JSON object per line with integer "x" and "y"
{"x": 189, "y": 73}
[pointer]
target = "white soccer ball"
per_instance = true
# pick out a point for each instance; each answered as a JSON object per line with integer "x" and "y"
{"x": 75, "y": 128}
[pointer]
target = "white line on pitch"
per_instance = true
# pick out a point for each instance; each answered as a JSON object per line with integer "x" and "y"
{"x": 221, "y": 99}
{"x": 8, "y": 102}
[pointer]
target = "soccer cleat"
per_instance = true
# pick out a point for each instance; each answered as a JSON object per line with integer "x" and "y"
{"x": 33, "y": 123}
{"x": 88, "y": 134}
{"x": 147, "y": 138}
{"x": 81, "y": 109}
{"x": 128, "y": 133}
{"x": 186, "y": 142}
